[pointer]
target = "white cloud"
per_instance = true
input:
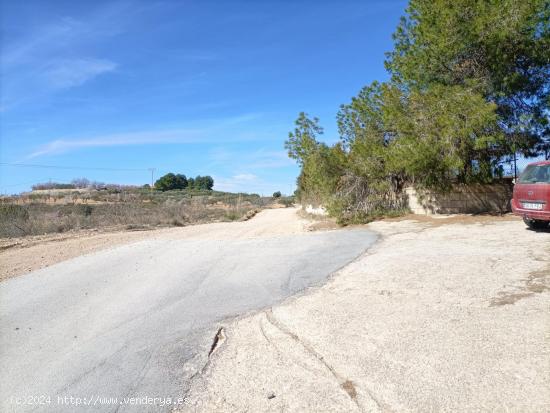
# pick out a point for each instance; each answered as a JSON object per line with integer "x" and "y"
{"x": 56, "y": 55}
{"x": 121, "y": 139}
{"x": 245, "y": 177}
{"x": 64, "y": 35}
{"x": 215, "y": 131}
{"x": 70, "y": 73}
{"x": 236, "y": 183}
{"x": 43, "y": 40}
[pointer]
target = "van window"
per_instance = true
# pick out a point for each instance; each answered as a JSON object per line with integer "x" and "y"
{"x": 535, "y": 174}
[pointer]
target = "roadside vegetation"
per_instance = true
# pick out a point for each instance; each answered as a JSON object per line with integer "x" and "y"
{"x": 469, "y": 90}
{"x": 57, "y": 208}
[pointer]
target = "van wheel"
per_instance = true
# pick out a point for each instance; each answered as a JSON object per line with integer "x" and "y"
{"x": 535, "y": 224}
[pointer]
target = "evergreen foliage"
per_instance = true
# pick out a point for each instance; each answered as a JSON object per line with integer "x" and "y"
{"x": 470, "y": 87}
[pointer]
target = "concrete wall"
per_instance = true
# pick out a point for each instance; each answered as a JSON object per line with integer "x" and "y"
{"x": 462, "y": 199}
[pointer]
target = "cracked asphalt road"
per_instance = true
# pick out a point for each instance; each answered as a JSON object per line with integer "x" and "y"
{"x": 138, "y": 319}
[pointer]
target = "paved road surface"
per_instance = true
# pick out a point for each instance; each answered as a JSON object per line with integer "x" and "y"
{"x": 139, "y": 319}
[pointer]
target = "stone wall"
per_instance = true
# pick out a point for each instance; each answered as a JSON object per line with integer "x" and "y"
{"x": 462, "y": 199}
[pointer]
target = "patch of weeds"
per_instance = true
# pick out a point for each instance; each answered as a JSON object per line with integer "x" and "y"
{"x": 232, "y": 216}
{"x": 136, "y": 227}
{"x": 86, "y": 210}
{"x": 177, "y": 223}
{"x": 361, "y": 217}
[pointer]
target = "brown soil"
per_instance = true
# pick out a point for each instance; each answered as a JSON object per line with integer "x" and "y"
{"x": 22, "y": 255}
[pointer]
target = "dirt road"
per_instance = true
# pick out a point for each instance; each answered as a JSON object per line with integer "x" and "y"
{"x": 137, "y": 321}
{"x": 440, "y": 315}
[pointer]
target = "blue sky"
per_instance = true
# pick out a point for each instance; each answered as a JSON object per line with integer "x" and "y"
{"x": 194, "y": 87}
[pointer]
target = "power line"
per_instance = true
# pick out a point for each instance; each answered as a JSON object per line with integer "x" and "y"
{"x": 82, "y": 168}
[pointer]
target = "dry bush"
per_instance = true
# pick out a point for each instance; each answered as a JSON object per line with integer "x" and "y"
{"x": 36, "y": 214}
{"x": 359, "y": 200}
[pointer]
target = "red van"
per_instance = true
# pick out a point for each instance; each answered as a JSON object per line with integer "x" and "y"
{"x": 532, "y": 195}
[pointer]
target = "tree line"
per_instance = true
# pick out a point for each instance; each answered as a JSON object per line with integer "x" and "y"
{"x": 469, "y": 89}
{"x": 172, "y": 181}
{"x": 164, "y": 183}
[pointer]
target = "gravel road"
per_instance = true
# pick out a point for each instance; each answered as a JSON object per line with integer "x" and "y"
{"x": 139, "y": 320}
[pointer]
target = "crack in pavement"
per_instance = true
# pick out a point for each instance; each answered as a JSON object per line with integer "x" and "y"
{"x": 139, "y": 378}
{"x": 218, "y": 339}
{"x": 279, "y": 352}
{"x": 345, "y": 384}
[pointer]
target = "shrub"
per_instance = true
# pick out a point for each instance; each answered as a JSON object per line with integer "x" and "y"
{"x": 171, "y": 181}
{"x": 287, "y": 201}
{"x": 232, "y": 215}
{"x": 86, "y": 210}
{"x": 13, "y": 220}
{"x": 201, "y": 183}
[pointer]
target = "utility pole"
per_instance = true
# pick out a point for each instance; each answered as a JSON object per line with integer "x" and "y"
{"x": 152, "y": 177}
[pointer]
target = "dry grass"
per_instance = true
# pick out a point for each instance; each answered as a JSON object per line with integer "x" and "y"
{"x": 44, "y": 213}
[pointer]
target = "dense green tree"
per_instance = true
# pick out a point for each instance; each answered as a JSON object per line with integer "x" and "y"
{"x": 303, "y": 141}
{"x": 469, "y": 87}
{"x": 321, "y": 172}
{"x": 362, "y": 119}
{"x": 443, "y": 134}
{"x": 277, "y": 194}
{"x": 363, "y": 132}
{"x": 431, "y": 136}
{"x": 499, "y": 49}
{"x": 171, "y": 181}
{"x": 203, "y": 182}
